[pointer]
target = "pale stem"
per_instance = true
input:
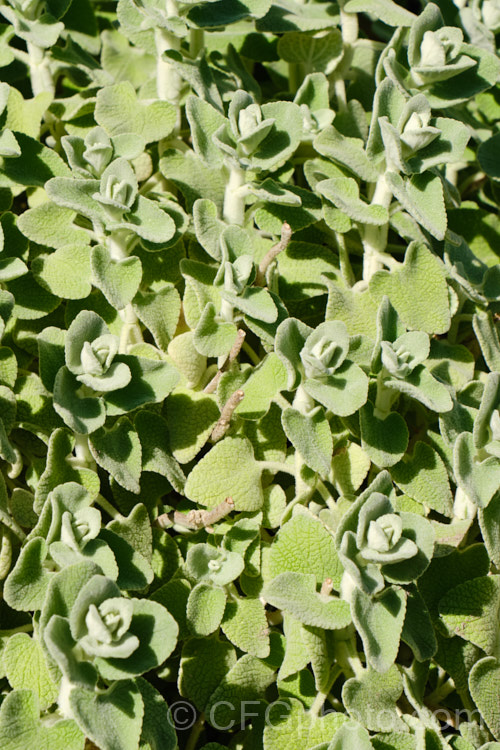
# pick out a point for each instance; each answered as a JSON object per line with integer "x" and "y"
{"x": 40, "y": 73}
{"x": 197, "y": 519}
{"x": 326, "y": 587}
{"x": 272, "y": 253}
{"x": 5, "y": 554}
{"x": 11, "y": 524}
{"x": 234, "y": 201}
{"x": 340, "y": 93}
{"x": 224, "y": 421}
{"x": 107, "y": 507}
{"x": 275, "y": 467}
{"x": 385, "y": 397}
{"x": 27, "y": 628}
{"x": 349, "y": 26}
{"x": 319, "y": 701}
{"x": 82, "y": 451}
{"x": 235, "y": 350}
{"x": 302, "y": 401}
{"x": 375, "y": 237}
{"x": 168, "y": 81}
{"x": 294, "y": 76}
{"x": 131, "y": 331}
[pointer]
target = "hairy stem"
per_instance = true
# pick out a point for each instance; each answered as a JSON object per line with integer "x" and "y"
{"x": 234, "y": 201}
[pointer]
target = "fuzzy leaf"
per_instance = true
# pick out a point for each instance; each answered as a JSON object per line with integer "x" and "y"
{"x": 296, "y": 594}
{"x": 304, "y": 545}
{"x": 117, "y": 279}
{"x": 321, "y": 53}
{"x": 478, "y": 479}
{"x": 204, "y": 663}
{"x": 205, "y": 609}
{"x": 484, "y": 682}
{"x": 311, "y": 437}
{"x": 427, "y": 308}
{"x": 343, "y": 393}
{"x": 213, "y": 478}
{"x": 372, "y": 699}
{"x": 112, "y": 718}
{"x": 386, "y": 10}
{"x": 290, "y": 724}
{"x": 118, "y": 111}
{"x": 159, "y": 312}
{"x": 379, "y": 621}
{"x": 348, "y": 152}
{"x": 471, "y": 611}
{"x": 65, "y": 272}
{"x": 20, "y": 726}
{"x": 213, "y": 338}
{"x": 245, "y": 625}
{"x": 424, "y": 478}
{"x": 191, "y": 418}
{"x": 343, "y": 192}
{"x": 260, "y": 387}
{"x": 384, "y": 440}
{"x": 26, "y": 668}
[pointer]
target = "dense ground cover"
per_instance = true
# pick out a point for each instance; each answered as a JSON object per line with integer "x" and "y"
{"x": 249, "y": 375}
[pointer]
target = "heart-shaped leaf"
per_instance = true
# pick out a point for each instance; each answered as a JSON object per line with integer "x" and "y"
{"x": 117, "y": 279}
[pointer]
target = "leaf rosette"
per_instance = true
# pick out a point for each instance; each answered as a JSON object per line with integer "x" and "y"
{"x": 318, "y": 366}
{"x": 376, "y": 544}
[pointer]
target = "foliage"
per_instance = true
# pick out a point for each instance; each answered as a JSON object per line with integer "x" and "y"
{"x": 249, "y": 375}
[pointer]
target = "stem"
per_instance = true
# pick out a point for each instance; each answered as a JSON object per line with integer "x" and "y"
{"x": 5, "y": 554}
{"x": 224, "y": 422}
{"x": 107, "y": 507}
{"x": 294, "y": 77}
{"x": 303, "y": 402}
{"x": 197, "y": 519}
{"x": 318, "y": 702}
{"x": 11, "y": 524}
{"x": 234, "y": 203}
{"x": 40, "y": 73}
{"x": 27, "y": 628}
{"x": 195, "y": 732}
{"x": 235, "y": 350}
{"x": 196, "y": 42}
{"x": 168, "y": 81}
{"x": 272, "y": 253}
{"x": 375, "y": 237}
{"x": 349, "y": 26}
{"x": 130, "y": 333}
{"x": 252, "y": 355}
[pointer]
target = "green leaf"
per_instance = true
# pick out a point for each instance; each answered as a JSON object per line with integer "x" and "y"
{"x": 348, "y": 152}
{"x": 427, "y": 308}
{"x": 157, "y": 729}
{"x": 424, "y": 478}
{"x": 212, "y": 337}
{"x": 118, "y": 111}
{"x": 343, "y": 192}
{"x": 484, "y": 682}
{"x": 27, "y": 583}
{"x": 379, "y": 621}
{"x": 205, "y": 609}
{"x": 191, "y": 417}
{"x": 385, "y": 440}
{"x": 153, "y": 432}
{"x": 135, "y": 572}
{"x": 118, "y": 280}
{"x": 296, "y": 594}
{"x": 81, "y": 413}
{"x": 245, "y": 625}
{"x": 260, "y": 387}
{"x": 246, "y": 681}
{"x": 26, "y": 668}
{"x": 289, "y": 724}
{"x": 422, "y": 196}
{"x": 304, "y": 545}
{"x": 471, "y": 611}
{"x": 213, "y": 478}
{"x": 118, "y": 450}
{"x": 343, "y": 393}
{"x": 20, "y": 726}
{"x": 156, "y": 631}
{"x": 489, "y": 522}
{"x": 204, "y": 120}
{"x": 478, "y": 479}
{"x": 204, "y": 664}
{"x": 418, "y": 631}
{"x": 65, "y": 272}
{"x": 37, "y": 164}
{"x": 311, "y": 437}
{"x": 151, "y": 382}
{"x": 112, "y": 718}
{"x": 386, "y": 10}
{"x": 372, "y": 699}
{"x": 317, "y": 53}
